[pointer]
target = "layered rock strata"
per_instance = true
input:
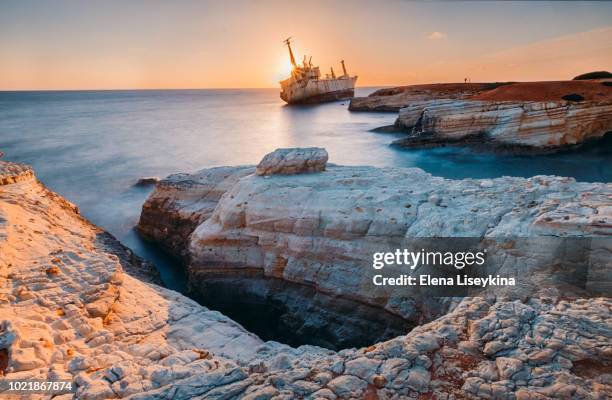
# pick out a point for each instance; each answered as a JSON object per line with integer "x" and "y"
{"x": 314, "y": 232}
{"x": 69, "y": 310}
{"x": 522, "y": 117}
{"x": 13, "y": 173}
{"x": 541, "y": 126}
{"x": 321, "y": 229}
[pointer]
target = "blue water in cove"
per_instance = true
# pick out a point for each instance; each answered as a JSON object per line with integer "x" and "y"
{"x": 92, "y": 146}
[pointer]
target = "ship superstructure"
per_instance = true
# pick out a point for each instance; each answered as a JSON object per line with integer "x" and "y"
{"x": 305, "y": 85}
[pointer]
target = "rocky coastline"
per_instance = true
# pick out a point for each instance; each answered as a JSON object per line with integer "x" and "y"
{"x": 77, "y": 305}
{"x": 396, "y": 98}
{"x": 534, "y": 117}
{"x": 291, "y": 240}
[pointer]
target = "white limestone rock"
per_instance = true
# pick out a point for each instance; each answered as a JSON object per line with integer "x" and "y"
{"x": 293, "y": 161}
{"x": 322, "y": 229}
{"x": 152, "y": 343}
{"x": 520, "y": 125}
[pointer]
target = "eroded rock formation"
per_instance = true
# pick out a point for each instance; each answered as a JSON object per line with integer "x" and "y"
{"x": 539, "y": 126}
{"x": 315, "y": 231}
{"x": 13, "y": 173}
{"x": 530, "y": 117}
{"x": 69, "y": 310}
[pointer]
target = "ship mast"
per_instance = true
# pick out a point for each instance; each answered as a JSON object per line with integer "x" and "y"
{"x": 344, "y": 68}
{"x": 288, "y": 43}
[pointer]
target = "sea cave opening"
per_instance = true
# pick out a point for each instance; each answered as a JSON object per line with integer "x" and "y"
{"x": 295, "y": 314}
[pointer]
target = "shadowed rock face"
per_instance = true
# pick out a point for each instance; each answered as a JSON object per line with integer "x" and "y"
{"x": 292, "y": 313}
{"x": 594, "y": 75}
{"x": 68, "y": 311}
{"x": 181, "y": 202}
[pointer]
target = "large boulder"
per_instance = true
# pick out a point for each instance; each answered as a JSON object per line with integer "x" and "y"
{"x": 293, "y": 161}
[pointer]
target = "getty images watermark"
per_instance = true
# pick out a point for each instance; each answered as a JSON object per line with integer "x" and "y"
{"x": 459, "y": 260}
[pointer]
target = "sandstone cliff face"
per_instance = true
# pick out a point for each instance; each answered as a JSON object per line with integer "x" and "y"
{"x": 69, "y": 311}
{"x": 546, "y": 125}
{"x": 393, "y": 99}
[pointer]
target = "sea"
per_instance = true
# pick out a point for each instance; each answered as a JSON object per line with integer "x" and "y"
{"x": 93, "y": 146}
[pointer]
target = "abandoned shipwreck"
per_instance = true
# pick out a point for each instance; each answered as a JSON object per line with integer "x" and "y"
{"x": 305, "y": 84}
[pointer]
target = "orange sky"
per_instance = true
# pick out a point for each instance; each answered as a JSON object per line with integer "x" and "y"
{"x": 197, "y": 44}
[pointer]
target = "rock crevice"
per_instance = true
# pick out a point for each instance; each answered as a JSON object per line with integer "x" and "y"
{"x": 68, "y": 309}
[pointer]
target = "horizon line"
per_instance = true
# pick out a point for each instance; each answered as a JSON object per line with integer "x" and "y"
{"x": 264, "y": 88}
{"x": 261, "y": 87}
{"x": 151, "y": 89}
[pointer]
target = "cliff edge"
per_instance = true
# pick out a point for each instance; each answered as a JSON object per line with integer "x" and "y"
{"x": 71, "y": 309}
{"x": 241, "y": 234}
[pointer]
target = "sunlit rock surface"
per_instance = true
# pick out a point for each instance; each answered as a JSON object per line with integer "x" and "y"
{"x": 393, "y": 99}
{"x": 13, "y": 173}
{"x": 71, "y": 308}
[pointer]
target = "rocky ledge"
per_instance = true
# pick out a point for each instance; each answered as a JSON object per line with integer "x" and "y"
{"x": 75, "y": 304}
{"x": 296, "y": 244}
{"x": 72, "y": 307}
{"x": 393, "y": 99}
{"x": 522, "y": 117}
{"x": 13, "y": 173}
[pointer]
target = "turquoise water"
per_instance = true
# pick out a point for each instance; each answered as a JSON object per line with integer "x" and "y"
{"x": 92, "y": 146}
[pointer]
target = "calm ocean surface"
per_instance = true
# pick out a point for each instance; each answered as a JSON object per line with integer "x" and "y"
{"x": 92, "y": 146}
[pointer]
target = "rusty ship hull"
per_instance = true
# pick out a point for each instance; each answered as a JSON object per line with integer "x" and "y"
{"x": 305, "y": 85}
{"x": 319, "y": 90}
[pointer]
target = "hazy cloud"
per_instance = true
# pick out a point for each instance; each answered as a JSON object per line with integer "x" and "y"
{"x": 559, "y": 58}
{"x": 437, "y": 35}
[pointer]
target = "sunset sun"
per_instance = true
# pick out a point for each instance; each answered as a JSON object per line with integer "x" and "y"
{"x": 283, "y": 68}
